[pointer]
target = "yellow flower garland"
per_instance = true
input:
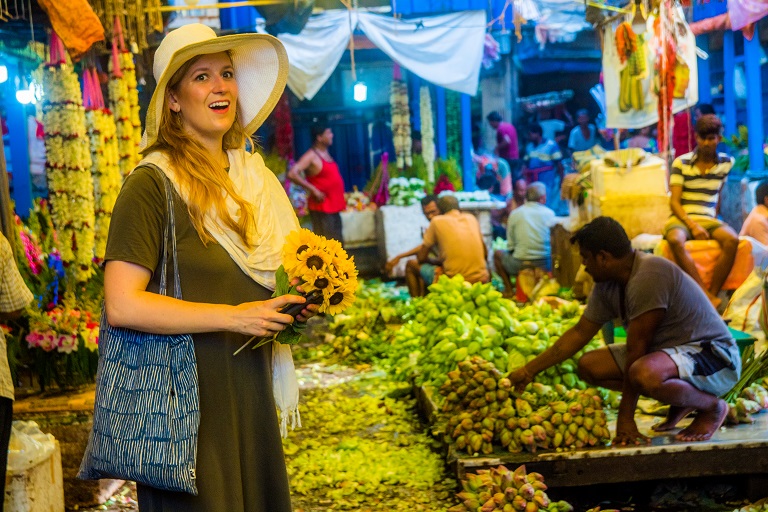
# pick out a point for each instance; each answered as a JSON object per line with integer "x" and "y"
{"x": 122, "y": 95}
{"x": 68, "y": 167}
{"x": 105, "y": 172}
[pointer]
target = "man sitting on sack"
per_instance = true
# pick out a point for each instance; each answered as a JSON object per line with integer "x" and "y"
{"x": 528, "y": 243}
{"x": 696, "y": 180}
{"x": 678, "y": 350}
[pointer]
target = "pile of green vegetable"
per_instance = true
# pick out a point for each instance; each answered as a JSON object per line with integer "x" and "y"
{"x": 480, "y": 412}
{"x": 360, "y": 447}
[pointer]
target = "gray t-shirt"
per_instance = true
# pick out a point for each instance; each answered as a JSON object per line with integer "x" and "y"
{"x": 657, "y": 283}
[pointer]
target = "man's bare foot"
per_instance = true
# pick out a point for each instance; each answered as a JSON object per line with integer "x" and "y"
{"x": 674, "y": 416}
{"x": 705, "y": 424}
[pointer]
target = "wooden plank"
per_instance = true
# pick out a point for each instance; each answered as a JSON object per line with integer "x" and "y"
{"x": 725, "y": 454}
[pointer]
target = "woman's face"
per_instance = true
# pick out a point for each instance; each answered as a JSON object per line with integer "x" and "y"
{"x": 206, "y": 97}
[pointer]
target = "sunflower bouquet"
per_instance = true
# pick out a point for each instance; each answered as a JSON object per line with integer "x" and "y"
{"x": 322, "y": 270}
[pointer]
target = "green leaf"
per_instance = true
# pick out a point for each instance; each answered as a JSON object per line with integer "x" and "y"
{"x": 282, "y": 284}
{"x": 289, "y": 336}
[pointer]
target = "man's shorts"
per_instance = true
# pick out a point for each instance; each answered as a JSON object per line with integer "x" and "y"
{"x": 427, "y": 271}
{"x": 513, "y": 266}
{"x": 708, "y": 223}
{"x": 710, "y": 366}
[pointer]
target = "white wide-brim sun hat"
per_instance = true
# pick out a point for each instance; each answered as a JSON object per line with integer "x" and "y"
{"x": 261, "y": 71}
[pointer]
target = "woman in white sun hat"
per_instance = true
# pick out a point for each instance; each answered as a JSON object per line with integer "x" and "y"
{"x": 232, "y": 217}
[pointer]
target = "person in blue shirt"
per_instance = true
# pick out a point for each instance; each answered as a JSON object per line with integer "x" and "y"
{"x": 584, "y": 135}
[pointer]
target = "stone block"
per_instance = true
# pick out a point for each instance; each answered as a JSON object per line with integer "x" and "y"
{"x": 37, "y": 489}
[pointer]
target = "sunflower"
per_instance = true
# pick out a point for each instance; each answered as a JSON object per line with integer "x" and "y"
{"x": 337, "y": 299}
{"x": 334, "y": 248}
{"x": 296, "y": 243}
{"x": 313, "y": 258}
{"x": 344, "y": 268}
{"x": 316, "y": 279}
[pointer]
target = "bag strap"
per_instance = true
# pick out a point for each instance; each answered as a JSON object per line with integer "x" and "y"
{"x": 169, "y": 238}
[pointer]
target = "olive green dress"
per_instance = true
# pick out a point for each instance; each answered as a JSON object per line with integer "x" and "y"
{"x": 240, "y": 464}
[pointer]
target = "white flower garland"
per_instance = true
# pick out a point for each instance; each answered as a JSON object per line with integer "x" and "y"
{"x": 68, "y": 166}
{"x": 427, "y": 132}
{"x": 401, "y": 123}
{"x": 121, "y": 93}
{"x": 105, "y": 171}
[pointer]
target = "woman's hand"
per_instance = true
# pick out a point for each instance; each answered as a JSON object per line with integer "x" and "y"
{"x": 309, "y": 311}
{"x": 261, "y": 318}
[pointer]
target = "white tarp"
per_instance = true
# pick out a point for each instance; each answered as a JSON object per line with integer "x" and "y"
{"x": 744, "y": 12}
{"x": 560, "y": 21}
{"x": 445, "y": 50}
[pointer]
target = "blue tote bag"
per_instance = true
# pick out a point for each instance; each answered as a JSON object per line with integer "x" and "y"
{"x": 147, "y": 414}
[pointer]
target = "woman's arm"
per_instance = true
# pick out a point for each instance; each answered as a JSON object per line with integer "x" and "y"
{"x": 129, "y": 305}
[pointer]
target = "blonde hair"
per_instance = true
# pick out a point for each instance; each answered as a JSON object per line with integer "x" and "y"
{"x": 199, "y": 176}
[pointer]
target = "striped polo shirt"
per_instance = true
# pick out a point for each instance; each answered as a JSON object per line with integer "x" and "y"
{"x": 700, "y": 191}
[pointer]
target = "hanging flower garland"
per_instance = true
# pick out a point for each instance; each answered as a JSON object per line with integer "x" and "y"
{"x": 121, "y": 83}
{"x": 427, "y": 133}
{"x": 453, "y": 124}
{"x": 283, "y": 129}
{"x": 128, "y": 67}
{"x": 105, "y": 170}
{"x": 401, "y": 120}
{"x": 68, "y": 163}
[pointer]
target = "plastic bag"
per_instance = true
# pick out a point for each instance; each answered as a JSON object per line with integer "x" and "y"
{"x": 285, "y": 387}
{"x": 28, "y": 446}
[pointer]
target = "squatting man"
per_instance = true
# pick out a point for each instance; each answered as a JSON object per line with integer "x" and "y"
{"x": 678, "y": 350}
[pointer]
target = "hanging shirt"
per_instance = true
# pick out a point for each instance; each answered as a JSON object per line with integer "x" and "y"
{"x": 329, "y": 182}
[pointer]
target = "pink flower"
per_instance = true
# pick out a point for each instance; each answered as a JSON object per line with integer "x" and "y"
{"x": 67, "y": 343}
{"x": 34, "y": 339}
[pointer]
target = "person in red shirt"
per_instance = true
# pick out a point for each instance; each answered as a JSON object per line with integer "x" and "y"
{"x": 506, "y": 142}
{"x": 318, "y": 174}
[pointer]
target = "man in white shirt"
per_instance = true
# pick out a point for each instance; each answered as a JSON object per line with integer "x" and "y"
{"x": 528, "y": 243}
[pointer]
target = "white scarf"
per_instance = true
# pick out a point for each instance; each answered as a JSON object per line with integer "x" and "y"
{"x": 274, "y": 214}
{"x": 275, "y": 218}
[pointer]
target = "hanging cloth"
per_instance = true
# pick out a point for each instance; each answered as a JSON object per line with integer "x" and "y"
{"x": 445, "y": 50}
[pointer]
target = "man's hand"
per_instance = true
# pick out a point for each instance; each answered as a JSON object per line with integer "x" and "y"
{"x": 627, "y": 433}
{"x": 520, "y": 378}
{"x": 391, "y": 264}
{"x": 699, "y": 233}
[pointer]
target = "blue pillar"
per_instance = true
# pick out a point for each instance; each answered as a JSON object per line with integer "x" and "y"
{"x": 705, "y": 78}
{"x": 414, "y": 100}
{"x": 442, "y": 140}
{"x": 468, "y": 170}
{"x": 238, "y": 18}
{"x": 755, "y": 126}
{"x": 729, "y": 62}
{"x": 19, "y": 149}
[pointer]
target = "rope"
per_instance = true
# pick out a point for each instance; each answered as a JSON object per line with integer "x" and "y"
{"x": 350, "y": 7}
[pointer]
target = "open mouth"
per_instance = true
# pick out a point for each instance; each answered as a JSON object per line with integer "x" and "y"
{"x": 219, "y": 106}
